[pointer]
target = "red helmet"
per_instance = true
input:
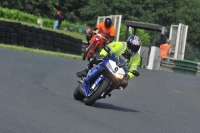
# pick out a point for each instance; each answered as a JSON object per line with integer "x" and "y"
{"x": 133, "y": 43}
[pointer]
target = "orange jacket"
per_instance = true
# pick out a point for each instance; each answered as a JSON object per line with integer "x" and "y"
{"x": 106, "y": 32}
{"x": 164, "y": 48}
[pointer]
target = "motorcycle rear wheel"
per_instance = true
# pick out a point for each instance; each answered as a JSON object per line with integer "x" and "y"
{"x": 97, "y": 94}
{"x": 88, "y": 50}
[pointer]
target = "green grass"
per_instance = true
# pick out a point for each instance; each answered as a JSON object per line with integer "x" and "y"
{"x": 38, "y": 51}
{"x": 74, "y": 34}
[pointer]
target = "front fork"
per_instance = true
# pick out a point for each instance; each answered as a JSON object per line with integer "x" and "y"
{"x": 91, "y": 75}
{"x": 109, "y": 89}
{"x": 96, "y": 84}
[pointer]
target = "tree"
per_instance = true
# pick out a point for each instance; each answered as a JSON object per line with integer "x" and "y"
{"x": 191, "y": 53}
{"x": 90, "y": 12}
{"x": 11, "y": 4}
{"x": 71, "y": 9}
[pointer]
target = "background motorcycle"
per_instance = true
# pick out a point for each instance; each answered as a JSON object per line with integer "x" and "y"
{"x": 96, "y": 43}
{"x": 102, "y": 79}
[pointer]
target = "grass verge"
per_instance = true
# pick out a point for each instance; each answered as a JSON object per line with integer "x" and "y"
{"x": 38, "y": 51}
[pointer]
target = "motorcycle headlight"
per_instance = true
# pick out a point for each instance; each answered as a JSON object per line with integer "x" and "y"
{"x": 119, "y": 75}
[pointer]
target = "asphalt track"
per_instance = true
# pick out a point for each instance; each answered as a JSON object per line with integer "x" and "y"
{"x": 36, "y": 96}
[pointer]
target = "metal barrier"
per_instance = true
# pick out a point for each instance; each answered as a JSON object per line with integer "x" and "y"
{"x": 180, "y": 66}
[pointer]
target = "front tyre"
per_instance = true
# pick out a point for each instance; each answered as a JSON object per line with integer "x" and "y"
{"x": 104, "y": 85}
{"x": 88, "y": 51}
{"x": 79, "y": 94}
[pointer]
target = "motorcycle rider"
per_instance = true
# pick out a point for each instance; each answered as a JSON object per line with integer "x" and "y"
{"x": 105, "y": 28}
{"x": 128, "y": 49}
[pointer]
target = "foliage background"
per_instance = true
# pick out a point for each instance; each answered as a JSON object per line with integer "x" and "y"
{"x": 163, "y": 12}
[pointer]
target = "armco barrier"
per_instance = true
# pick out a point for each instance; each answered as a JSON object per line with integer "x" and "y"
{"x": 14, "y": 33}
{"x": 180, "y": 66}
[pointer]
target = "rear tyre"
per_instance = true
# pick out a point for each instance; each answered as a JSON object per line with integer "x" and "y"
{"x": 97, "y": 94}
{"x": 79, "y": 94}
{"x": 88, "y": 50}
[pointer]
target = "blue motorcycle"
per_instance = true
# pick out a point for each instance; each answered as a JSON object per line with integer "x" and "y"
{"x": 102, "y": 79}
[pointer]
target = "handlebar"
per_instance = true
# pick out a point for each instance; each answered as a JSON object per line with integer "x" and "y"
{"x": 104, "y": 38}
{"x": 95, "y": 32}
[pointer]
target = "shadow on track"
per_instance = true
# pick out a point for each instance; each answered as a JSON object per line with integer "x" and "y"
{"x": 113, "y": 107}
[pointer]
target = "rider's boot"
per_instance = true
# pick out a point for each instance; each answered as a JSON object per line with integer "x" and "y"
{"x": 82, "y": 73}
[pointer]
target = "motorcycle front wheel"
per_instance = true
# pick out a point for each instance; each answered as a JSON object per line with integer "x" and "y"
{"x": 97, "y": 94}
{"x": 88, "y": 51}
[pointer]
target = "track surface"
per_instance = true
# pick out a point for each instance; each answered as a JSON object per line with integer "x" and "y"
{"x": 36, "y": 96}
